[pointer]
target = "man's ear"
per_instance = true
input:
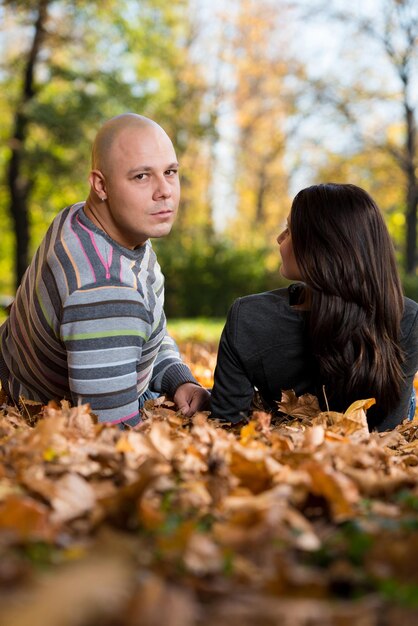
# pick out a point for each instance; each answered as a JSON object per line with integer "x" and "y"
{"x": 98, "y": 183}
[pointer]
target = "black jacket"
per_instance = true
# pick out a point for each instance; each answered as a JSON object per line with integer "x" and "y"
{"x": 264, "y": 345}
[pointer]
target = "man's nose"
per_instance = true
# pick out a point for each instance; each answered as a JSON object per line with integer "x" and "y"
{"x": 162, "y": 188}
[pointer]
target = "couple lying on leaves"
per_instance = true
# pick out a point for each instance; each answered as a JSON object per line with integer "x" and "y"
{"x": 88, "y": 322}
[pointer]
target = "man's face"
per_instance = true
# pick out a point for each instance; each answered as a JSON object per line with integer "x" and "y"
{"x": 142, "y": 186}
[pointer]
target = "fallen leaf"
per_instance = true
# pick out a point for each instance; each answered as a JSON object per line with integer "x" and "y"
{"x": 340, "y": 492}
{"x": 305, "y": 406}
{"x": 26, "y": 519}
{"x": 68, "y": 598}
{"x": 73, "y": 497}
{"x": 202, "y": 555}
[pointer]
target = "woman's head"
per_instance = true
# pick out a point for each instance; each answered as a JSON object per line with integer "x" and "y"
{"x": 345, "y": 256}
{"x": 341, "y": 243}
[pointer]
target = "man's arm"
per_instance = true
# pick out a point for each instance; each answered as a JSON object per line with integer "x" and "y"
{"x": 173, "y": 377}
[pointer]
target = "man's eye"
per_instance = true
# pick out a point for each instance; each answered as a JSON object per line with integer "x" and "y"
{"x": 141, "y": 176}
{"x": 172, "y": 172}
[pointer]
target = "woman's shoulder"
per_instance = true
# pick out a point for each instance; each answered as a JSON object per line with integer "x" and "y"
{"x": 410, "y": 316}
{"x": 278, "y": 297}
{"x": 266, "y": 313}
{"x": 410, "y": 305}
{"x": 283, "y": 297}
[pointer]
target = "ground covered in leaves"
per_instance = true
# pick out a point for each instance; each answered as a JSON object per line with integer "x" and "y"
{"x": 306, "y": 520}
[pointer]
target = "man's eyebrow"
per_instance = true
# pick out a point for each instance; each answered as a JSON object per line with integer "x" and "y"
{"x": 148, "y": 168}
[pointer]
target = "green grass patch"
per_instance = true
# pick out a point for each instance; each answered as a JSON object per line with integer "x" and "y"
{"x": 201, "y": 329}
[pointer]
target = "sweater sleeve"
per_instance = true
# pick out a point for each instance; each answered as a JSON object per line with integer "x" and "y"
{"x": 232, "y": 391}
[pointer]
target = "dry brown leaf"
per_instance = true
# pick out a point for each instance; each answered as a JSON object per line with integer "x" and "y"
{"x": 3, "y": 396}
{"x": 30, "y": 409}
{"x": 203, "y": 556}
{"x": 314, "y": 436}
{"x": 194, "y": 494}
{"x": 8, "y": 488}
{"x": 73, "y": 497}
{"x": 352, "y": 423}
{"x": 160, "y": 437}
{"x": 48, "y": 434}
{"x": 85, "y": 592}
{"x": 159, "y": 603}
{"x": 340, "y": 492}
{"x": 377, "y": 483}
{"x": 35, "y": 480}
{"x": 263, "y": 420}
{"x": 217, "y": 510}
{"x": 305, "y": 406}
{"x": 303, "y": 533}
{"x": 80, "y": 420}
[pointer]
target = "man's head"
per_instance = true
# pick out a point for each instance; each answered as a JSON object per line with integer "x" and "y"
{"x": 135, "y": 188}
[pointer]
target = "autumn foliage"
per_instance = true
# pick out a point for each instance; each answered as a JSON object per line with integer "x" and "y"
{"x": 309, "y": 519}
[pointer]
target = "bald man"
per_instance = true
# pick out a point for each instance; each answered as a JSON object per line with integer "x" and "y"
{"x": 88, "y": 322}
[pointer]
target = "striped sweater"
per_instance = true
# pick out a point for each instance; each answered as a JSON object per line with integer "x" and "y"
{"x": 88, "y": 323}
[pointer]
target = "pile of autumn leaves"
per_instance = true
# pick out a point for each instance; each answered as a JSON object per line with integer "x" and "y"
{"x": 307, "y": 520}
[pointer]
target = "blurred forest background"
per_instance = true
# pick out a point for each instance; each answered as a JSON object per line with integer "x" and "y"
{"x": 261, "y": 98}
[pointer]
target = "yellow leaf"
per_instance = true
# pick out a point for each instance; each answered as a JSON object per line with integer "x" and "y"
{"x": 353, "y": 409}
{"x": 248, "y": 432}
{"x": 124, "y": 445}
{"x": 250, "y": 467}
{"x": 49, "y": 455}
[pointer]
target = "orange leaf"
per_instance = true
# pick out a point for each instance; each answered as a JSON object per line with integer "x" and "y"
{"x": 26, "y": 519}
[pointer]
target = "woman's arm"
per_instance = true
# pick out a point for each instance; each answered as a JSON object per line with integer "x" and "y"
{"x": 232, "y": 391}
{"x": 410, "y": 367}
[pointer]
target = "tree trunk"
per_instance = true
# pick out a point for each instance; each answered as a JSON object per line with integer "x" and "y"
{"x": 412, "y": 193}
{"x": 261, "y": 191}
{"x": 19, "y": 182}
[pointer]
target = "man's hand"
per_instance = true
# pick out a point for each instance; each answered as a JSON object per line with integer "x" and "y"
{"x": 191, "y": 398}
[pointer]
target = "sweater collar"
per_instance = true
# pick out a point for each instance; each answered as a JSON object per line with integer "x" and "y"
{"x": 135, "y": 254}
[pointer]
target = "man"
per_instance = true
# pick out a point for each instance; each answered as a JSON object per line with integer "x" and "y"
{"x": 88, "y": 321}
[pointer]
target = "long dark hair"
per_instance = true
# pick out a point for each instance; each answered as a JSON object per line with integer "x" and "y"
{"x": 346, "y": 259}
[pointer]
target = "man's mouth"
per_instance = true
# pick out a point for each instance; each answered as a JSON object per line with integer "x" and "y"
{"x": 162, "y": 212}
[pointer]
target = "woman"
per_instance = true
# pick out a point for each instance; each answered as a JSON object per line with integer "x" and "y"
{"x": 344, "y": 333}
